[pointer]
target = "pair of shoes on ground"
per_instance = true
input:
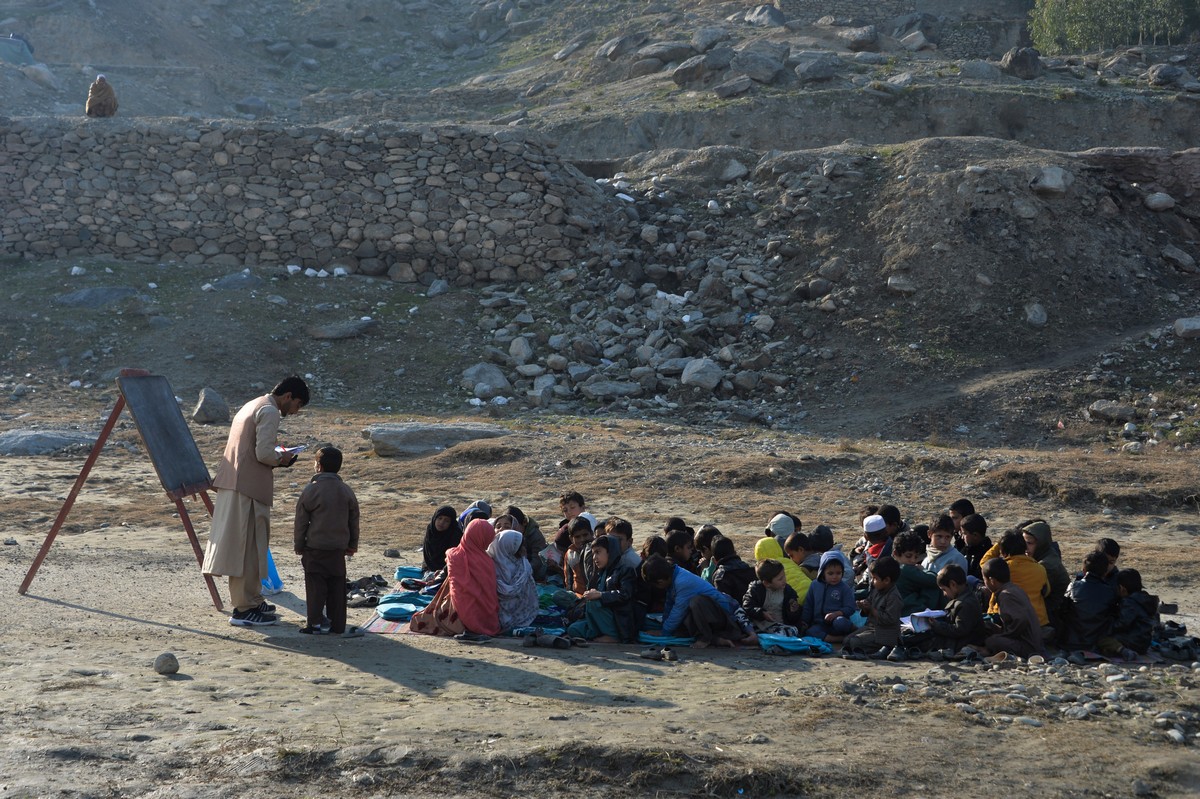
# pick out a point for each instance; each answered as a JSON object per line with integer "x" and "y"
{"x": 351, "y": 632}
{"x": 854, "y": 653}
{"x": 968, "y": 656}
{"x": 660, "y": 653}
{"x": 254, "y": 617}
{"x": 468, "y": 637}
{"x": 552, "y": 641}
{"x": 893, "y": 653}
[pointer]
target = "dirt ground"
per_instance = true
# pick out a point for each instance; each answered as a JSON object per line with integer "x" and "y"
{"x": 918, "y": 409}
{"x": 272, "y": 711}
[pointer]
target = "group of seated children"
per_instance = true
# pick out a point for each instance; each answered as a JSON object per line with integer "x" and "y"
{"x": 962, "y": 596}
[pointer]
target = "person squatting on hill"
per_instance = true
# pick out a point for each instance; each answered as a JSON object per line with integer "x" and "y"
{"x": 101, "y": 99}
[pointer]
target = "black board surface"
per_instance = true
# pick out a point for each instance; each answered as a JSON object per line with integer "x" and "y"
{"x": 169, "y": 442}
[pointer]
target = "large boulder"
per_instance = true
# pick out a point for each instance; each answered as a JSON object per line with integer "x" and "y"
{"x": 815, "y": 65}
{"x": 864, "y": 39}
{"x": 980, "y": 70}
{"x": 415, "y": 438}
{"x": 96, "y": 297}
{"x": 757, "y": 67}
{"x": 702, "y": 373}
{"x": 1167, "y": 75}
{"x": 1023, "y": 62}
{"x": 667, "y": 52}
{"x": 486, "y": 380}
{"x": 1111, "y": 411}
{"x": 765, "y": 16}
{"x": 43, "y": 442}
{"x": 211, "y": 408}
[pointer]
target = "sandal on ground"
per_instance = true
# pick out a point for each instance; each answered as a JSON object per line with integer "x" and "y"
{"x": 652, "y": 653}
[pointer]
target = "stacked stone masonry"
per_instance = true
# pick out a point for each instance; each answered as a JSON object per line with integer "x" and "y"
{"x": 467, "y": 205}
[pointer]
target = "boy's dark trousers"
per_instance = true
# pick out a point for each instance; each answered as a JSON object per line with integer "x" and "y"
{"x": 325, "y": 587}
{"x": 707, "y": 621}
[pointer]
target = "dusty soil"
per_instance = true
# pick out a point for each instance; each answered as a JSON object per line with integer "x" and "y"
{"x": 270, "y": 710}
{"x": 943, "y": 395}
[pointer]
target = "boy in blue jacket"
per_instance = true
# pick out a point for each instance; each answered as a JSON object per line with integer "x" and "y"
{"x": 830, "y": 601}
{"x": 694, "y": 606}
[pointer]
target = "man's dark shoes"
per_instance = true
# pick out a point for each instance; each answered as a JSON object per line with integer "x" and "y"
{"x": 252, "y": 618}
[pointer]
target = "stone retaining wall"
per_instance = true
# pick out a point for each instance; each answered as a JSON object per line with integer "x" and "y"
{"x": 468, "y": 205}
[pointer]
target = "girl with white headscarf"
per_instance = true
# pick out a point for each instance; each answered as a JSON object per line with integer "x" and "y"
{"x": 514, "y": 580}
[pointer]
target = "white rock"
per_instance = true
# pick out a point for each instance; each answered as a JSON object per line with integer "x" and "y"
{"x": 1053, "y": 181}
{"x": 1035, "y": 314}
{"x": 898, "y": 284}
{"x": 414, "y": 438}
{"x": 78, "y": 270}
{"x": 1160, "y": 201}
{"x": 1188, "y": 327}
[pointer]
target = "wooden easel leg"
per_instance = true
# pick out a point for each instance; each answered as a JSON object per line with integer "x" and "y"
{"x": 79, "y": 481}
{"x": 187, "y": 525}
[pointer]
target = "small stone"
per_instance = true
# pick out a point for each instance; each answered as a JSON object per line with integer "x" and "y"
{"x": 757, "y": 738}
{"x": 1176, "y": 736}
{"x": 1179, "y": 259}
{"x": 166, "y": 663}
{"x": 391, "y": 553}
{"x": 1035, "y": 314}
{"x": 1140, "y": 788}
{"x": 1076, "y": 712}
{"x": 1029, "y": 721}
{"x": 1160, "y": 201}
{"x": 899, "y": 688}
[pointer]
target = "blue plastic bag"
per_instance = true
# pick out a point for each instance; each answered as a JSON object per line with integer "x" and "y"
{"x": 272, "y": 583}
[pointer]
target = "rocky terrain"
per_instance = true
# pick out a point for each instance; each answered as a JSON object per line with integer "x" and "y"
{"x": 822, "y": 257}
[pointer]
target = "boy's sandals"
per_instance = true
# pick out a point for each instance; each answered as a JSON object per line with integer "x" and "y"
{"x": 353, "y": 632}
{"x": 669, "y": 654}
{"x": 652, "y": 653}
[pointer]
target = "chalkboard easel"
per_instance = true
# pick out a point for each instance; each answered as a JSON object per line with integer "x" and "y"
{"x": 172, "y": 450}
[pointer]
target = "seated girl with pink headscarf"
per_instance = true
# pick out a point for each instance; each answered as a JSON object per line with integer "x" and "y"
{"x": 467, "y": 600}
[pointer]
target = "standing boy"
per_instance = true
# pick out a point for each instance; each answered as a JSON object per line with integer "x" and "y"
{"x": 325, "y": 533}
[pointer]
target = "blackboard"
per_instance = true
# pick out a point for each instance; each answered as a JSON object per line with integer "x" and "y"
{"x": 168, "y": 440}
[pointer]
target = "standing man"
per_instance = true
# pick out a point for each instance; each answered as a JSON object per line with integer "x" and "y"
{"x": 241, "y": 525}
